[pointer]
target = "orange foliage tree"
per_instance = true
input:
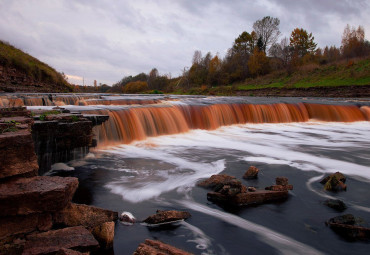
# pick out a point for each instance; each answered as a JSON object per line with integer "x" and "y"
{"x": 258, "y": 63}
{"x": 353, "y": 42}
{"x": 302, "y": 42}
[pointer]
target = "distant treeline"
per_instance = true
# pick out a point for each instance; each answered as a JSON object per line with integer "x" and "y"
{"x": 252, "y": 55}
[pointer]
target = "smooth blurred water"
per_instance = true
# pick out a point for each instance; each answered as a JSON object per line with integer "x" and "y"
{"x": 162, "y": 172}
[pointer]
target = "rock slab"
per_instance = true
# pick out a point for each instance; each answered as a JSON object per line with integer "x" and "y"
{"x": 75, "y": 238}
{"x": 36, "y": 195}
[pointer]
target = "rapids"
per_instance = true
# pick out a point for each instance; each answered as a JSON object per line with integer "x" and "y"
{"x": 151, "y": 154}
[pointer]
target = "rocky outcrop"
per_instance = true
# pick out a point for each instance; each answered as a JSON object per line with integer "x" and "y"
{"x": 347, "y": 227}
{"x": 36, "y": 195}
{"x": 76, "y": 238}
{"x": 157, "y": 247}
{"x": 166, "y": 216}
{"x": 32, "y": 207}
{"x": 252, "y": 173}
{"x": 17, "y": 156}
{"x": 334, "y": 182}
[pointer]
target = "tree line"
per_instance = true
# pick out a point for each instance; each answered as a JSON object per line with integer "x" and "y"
{"x": 252, "y": 54}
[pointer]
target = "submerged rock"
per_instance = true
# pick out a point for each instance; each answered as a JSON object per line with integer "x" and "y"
{"x": 336, "y": 204}
{"x": 347, "y": 227}
{"x": 252, "y": 173}
{"x": 157, "y": 247}
{"x": 334, "y": 182}
{"x": 167, "y": 216}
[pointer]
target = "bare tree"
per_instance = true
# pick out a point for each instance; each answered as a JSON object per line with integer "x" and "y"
{"x": 268, "y": 30}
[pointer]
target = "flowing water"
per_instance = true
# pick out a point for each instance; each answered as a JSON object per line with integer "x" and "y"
{"x": 150, "y": 157}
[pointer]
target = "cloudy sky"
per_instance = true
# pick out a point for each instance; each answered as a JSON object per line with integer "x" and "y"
{"x": 106, "y": 40}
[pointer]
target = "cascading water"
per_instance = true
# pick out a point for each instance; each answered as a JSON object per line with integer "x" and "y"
{"x": 151, "y": 155}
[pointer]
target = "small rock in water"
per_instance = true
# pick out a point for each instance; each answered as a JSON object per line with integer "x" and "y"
{"x": 281, "y": 181}
{"x": 334, "y": 182}
{"x": 336, "y": 204}
{"x": 127, "y": 218}
{"x": 167, "y": 216}
{"x": 252, "y": 173}
{"x": 252, "y": 189}
{"x": 282, "y": 184}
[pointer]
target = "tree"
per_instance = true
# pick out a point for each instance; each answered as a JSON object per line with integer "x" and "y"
{"x": 268, "y": 30}
{"x": 244, "y": 44}
{"x": 258, "y": 63}
{"x": 281, "y": 51}
{"x": 353, "y": 42}
{"x": 302, "y": 42}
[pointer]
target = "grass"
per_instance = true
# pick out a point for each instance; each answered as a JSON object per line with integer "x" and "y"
{"x": 39, "y": 71}
{"x": 343, "y": 73}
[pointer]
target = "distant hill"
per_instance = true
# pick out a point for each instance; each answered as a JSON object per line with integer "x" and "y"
{"x": 20, "y": 72}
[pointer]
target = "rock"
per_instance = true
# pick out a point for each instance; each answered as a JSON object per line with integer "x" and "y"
{"x": 85, "y": 215}
{"x": 166, "y": 216}
{"x": 215, "y": 181}
{"x": 104, "y": 233}
{"x": 65, "y": 251}
{"x": 127, "y": 218}
{"x": 157, "y": 247}
{"x": 76, "y": 238}
{"x": 334, "y": 182}
{"x": 257, "y": 197}
{"x": 336, "y": 204}
{"x": 22, "y": 224}
{"x": 252, "y": 173}
{"x": 230, "y": 188}
{"x": 17, "y": 157}
{"x": 252, "y": 189}
{"x": 281, "y": 181}
{"x": 36, "y": 195}
{"x": 280, "y": 187}
{"x": 346, "y": 226}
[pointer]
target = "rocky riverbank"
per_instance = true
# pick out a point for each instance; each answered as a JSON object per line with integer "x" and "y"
{"x": 36, "y": 212}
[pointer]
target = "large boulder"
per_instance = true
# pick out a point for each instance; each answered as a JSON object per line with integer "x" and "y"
{"x": 252, "y": 173}
{"x": 36, "y": 195}
{"x": 347, "y": 227}
{"x": 334, "y": 182}
{"x": 157, "y": 247}
{"x": 17, "y": 157}
{"x": 76, "y": 238}
{"x": 166, "y": 216}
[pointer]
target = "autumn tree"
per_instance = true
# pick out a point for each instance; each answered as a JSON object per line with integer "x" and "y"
{"x": 267, "y": 29}
{"x": 214, "y": 71}
{"x": 244, "y": 44}
{"x": 353, "y": 42}
{"x": 135, "y": 87}
{"x": 302, "y": 42}
{"x": 258, "y": 63}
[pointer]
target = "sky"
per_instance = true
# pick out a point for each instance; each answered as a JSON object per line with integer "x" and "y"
{"x": 106, "y": 40}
